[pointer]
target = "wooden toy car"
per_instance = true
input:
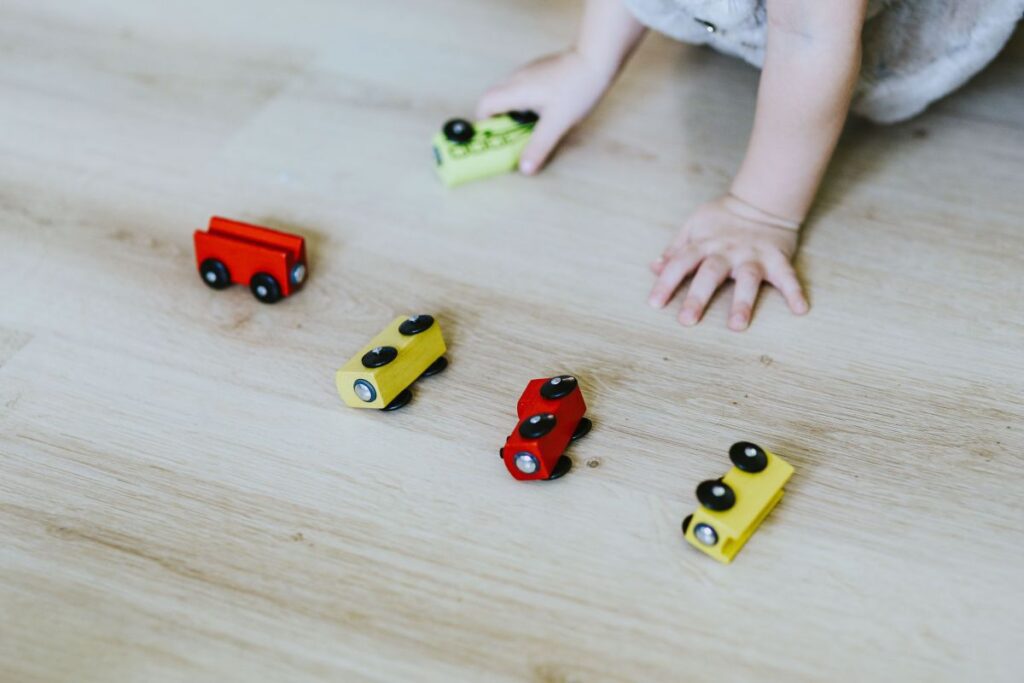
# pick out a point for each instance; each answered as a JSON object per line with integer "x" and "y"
{"x": 734, "y": 506}
{"x": 379, "y": 376}
{"x": 550, "y": 417}
{"x": 272, "y": 263}
{"x": 465, "y": 151}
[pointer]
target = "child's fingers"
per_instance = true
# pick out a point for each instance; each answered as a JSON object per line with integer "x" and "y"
{"x": 673, "y": 272}
{"x": 681, "y": 239}
{"x": 781, "y": 274}
{"x": 712, "y": 273}
{"x": 543, "y": 140}
{"x": 501, "y": 99}
{"x": 678, "y": 244}
{"x": 658, "y": 264}
{"x": 748, "y": 282}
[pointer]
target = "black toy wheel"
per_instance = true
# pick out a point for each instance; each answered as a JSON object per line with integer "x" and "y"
{"x": 416, "y": 324}
{"x": 379, "y": 356}
{"x": 399, "y": 401}
{"x": 524, "y": 117}
{"x": 582, "y": 429}
{"x": 536, "y": 426}
{"x": 265, "y": 288}
{"x": 686, "y": 523}
{"x": 437, "y": 366}
{"x": 748, "y": 457}
{"x": 563, "y": 465}
{"x": 558, "y": 387}
{"x": 214, "y": 273}
{"x": 715, "y": 495}
{"x": 459, "y": 131}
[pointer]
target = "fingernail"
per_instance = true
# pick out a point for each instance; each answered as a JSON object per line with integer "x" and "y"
{"x": 687, "y": 317}
{"x": 738, "y": 322}
{"x": 653, "y": 302}
{"x": 527, "y": 167}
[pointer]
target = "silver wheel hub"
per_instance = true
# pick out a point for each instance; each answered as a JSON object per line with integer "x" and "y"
{"x": 364, "y": 390}
{"x": 526, "y": 463}
{"x": 705, "y": 534}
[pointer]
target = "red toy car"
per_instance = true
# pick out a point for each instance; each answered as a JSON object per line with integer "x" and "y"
{"x": 550, "y": 417}
{"x": 272, "y": 263}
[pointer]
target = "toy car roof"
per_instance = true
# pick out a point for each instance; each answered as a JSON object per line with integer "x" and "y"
{"x": 226, "y": 227}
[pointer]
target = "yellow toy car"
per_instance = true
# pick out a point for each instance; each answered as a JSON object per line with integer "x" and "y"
{"x": 379, "y": 376}
{"x": 734, "y": 506}
{"x": 465, "y": 151}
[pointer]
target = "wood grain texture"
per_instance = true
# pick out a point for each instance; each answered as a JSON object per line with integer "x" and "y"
{"x": 184, "y": 497}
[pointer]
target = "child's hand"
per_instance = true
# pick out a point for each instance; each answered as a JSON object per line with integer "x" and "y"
{"x": 723, "y": 239}
{"x": 561, "y": 88}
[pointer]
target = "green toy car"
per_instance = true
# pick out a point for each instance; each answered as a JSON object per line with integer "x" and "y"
{"x": 466, "y": 151}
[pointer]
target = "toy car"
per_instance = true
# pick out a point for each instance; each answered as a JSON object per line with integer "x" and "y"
{"x": 734, "y": 506}
{"x": 379, "y": 376}
{"x": 466, "y": 151}
{"x": 550, "y": 417}
{"x": 272, "y": 263}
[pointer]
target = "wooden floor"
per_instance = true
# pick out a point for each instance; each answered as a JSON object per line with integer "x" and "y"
{"x": 183, "y": 497}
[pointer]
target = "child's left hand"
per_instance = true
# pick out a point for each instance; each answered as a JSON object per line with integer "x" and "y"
{"x": 723, "y": 239}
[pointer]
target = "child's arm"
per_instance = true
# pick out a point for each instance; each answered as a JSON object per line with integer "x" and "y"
{"x": 564, "y": 87}
{"x": 812, "y": 60}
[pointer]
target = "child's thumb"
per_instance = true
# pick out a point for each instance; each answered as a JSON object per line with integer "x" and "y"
{"x": 546, "y": 135}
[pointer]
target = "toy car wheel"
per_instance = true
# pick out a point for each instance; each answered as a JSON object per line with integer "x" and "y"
{"x": 214, "y": 273}
{"x": 686, "y": 523}
{"x": 563, "y": 465}
{"x": 558, "y": 387}
{"x": 582, "y": 429}
{"x": 748, "y": 457}
{"x": 524, "y": 117}
{"x": 265, "y": 288}
{"x": 715, "y": 495}
{"x": 399, "y": 401}
{"x": 536, "y": 426}
{"x": 459, "y": 131}
{"x": 705, "y": 534}
{"x": 364, "y": 391}
{"x": 437, "y": 366}
{"x": 298, "y": 275}
{"x": 416, "y": 324}
{"x": 379, "y": 356}
{"x": 526, "y": 462}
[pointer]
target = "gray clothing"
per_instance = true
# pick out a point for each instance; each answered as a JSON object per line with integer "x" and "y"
{"x": 915, "y": 51}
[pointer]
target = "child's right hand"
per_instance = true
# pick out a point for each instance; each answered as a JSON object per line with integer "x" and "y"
{"x": 562, "y": 88}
